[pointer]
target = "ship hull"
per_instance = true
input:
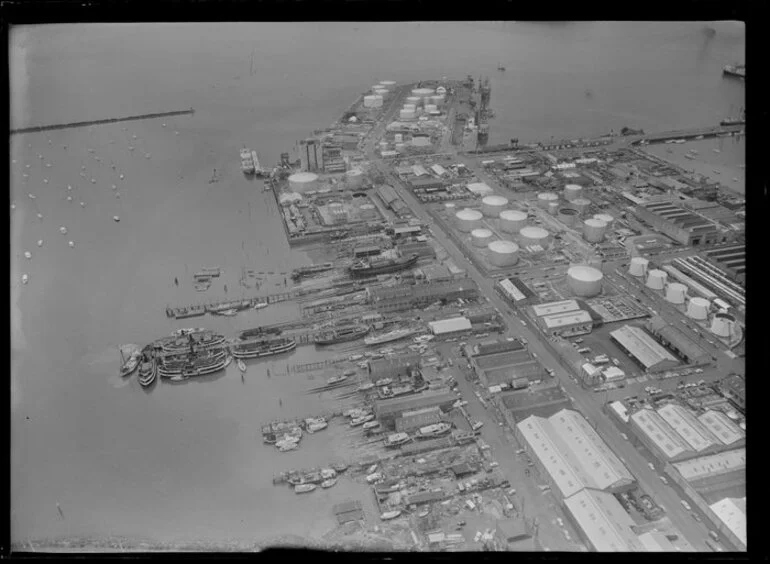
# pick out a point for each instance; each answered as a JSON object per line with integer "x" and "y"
{"x": 340, "y": 338}
{"x": 394, "y": 266}
{"x": 271, "y": 351}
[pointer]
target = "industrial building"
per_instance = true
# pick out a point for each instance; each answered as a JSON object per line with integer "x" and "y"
{"x": 515, "y": 292}
{"x": 687, "y": 426}
{"x": 734, "y": 388}
{"x": 552, "y": 308}
{"x": 388, "y": 410}
{"x": 451, "y": 326}
{"x": 566, "y": 324}
{"x": 392, "y": 367}
{"x": 434, "y": 273}
{"x": 543, "y": 402}
{"x": 679, "y": 224}
{"x": 571, "y": 454}
{"x": 427, "y": 183}
{"x": 655, "y": 541}
{"x": 723, "y": 428}
{"x": 704, "y": 471}
{"x": 506, "y": 367}
{"x": 417, "y": 418}
{"x": 730, "y": 259}
{"x": 603, "y": 522}
{"x": 497, "y": 346}
{"x": 644, "y": 349}
{"x": 311, "y": 155}
{"x": 659, "y": 437}
{"x": 421, "y": 249}
{"x": 673, "y": 338}
{"x": 732, "y": 512}
{"x": 406, "y": 297}
{"x": 712, "y": 278}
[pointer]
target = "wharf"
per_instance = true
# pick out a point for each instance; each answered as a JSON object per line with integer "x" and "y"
{"x": 313, "y": 366}
{"x": 39, "y": 128}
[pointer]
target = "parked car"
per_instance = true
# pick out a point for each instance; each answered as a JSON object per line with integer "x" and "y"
{"x": 663, "y": 479}
{"x": 651, "y": 465}
{"x": 686, "y": 505}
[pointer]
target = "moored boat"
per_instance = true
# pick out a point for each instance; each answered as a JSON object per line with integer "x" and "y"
{"x": 374, "y": 267}
{"x": 396, "y": 439}
{"x": 390, "y": 514}
{"x": 329, "y": 483}
{"x": 336, "y": 379}
{"x": 365, "y": 387}
{"x": 435, "y": 430}
{"x": 131, "y": 364}
{"x": 371, "y": 425}
{"x": 389, "y": 336}
{"x": 148, "y": 372}
{"x": 375, "y": 477}
{"x": 361, "y": 420}
{"x": 341, "y": 335}
{"x": 263, "y": 347}
{"x": 304, "y": 488}
{"x": 241, "y": 365}
{"x": 317, "y": 426}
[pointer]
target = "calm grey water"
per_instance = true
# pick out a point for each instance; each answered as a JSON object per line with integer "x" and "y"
{"x": 187, "y": 461}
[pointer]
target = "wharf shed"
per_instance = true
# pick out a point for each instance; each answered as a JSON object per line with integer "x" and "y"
{"x": 429, "y": 183}
{"x": 515, "y": 292}
{"x": 644, "y": 349}
{"x": 451, "y": 326}
{"x": 543, "y": 403}
{"x": 497, "y": 346}
{"x": 390, "y": 409}
{"x": 406, "y": 297}
{"x": 603, "y": 522}
{"x": 423, "y": 250}
{"x": 732, "y": 512}
{"x": 723, "y": 428}
{"x": 553, "y": 308}
{"x": 655, "y": 541}
{"x": 566, "y": 324}
{"x": 481, "y": 314}
{"x": 422, "y": 498}
{"x": 392, "y": 367}
{"x": 714, "y": 467}
{"x": 687, "y": 426}
{"x": 659, "y": 437}
{"x": 677, "y": 341}
{"x": 417, "y": 418}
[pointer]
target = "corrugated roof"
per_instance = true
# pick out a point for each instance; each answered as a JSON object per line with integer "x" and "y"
{"x": 722, "y": 427}
{"x": 643, "y": 347}
{"x": 604, "y": 521}
{"x": 732, "y": 512}
{"x": 555, "y": 307}
{"x": 423, "y": 399}
{"x": 712, "y": 465}
{"x": 681, "y": 342}
{"x": 567, "y": 318}
{"x": 660, "y": 433}
{"x": 450, "y": 325}
{"x": 688, "y": 427}
{"x": 655, "y": 541}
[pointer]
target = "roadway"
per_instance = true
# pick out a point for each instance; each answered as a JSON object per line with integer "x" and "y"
{"x": 648, "y": 479}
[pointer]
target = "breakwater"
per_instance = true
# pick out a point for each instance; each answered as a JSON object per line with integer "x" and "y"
{"x": 39, "y": 128}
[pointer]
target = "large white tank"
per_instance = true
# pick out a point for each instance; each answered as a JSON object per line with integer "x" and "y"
{"x": 656, "y": 279}
{"x": 481, "y": 237}
{"x": 545, "y": 198}
{"x": 468, "y": 220}
{"x": 503, "y": 253}
{"x": 605, "y": 217}
{"x": 723, "y": 325}
{"x": 415, "y": 100}
{"x": 377, "y": 101}
{"x": 406, "y": 114}
{"x": 553, "y": 207}
{"x": 572, "y": 191}
{"x": 638, "y": 266}
{"x": 437, "y": 100}
{"x": 491, "y": 206}
{"x": 355, "y": 178}
{"x": 382, "y": 92}
{"x": 698, "y": 308}
{"x": 581, "y": 205}
{"x": 594, "y": 230}
{"x": 369, "y": 100}
{"x": 431, "y": 108}
{"x": 567, "y": 215}
{"x": 511, "y": 221}
{"x": 441, "y": 90}
{"x": 303, "y": 181}
{"x": 676, "y": 293}
{"x": 422, "y": 92}
{"x": 450, "y": 205}
{"x": 584, "y": 281}
{"x": 410, "y": 107}
{"x": 532, "y": 235}
{"x": 388, "y": 83}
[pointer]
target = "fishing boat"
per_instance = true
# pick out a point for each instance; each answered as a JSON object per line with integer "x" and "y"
{"x": 226, "y": 312}
{"x": 287, "y": 446}
{"x": 241, "y": 365}
{"x": 336, "y": 379}
{"x": 365, "y": 387}
{"x": 375, "y": 477}
{"x": 339, "y": 467}
{"x": 689, "y": 156}
{"x": 260, "y": 303}
{"x": 435, "y": 430}
{"x": 355, "y": 357}
{"x": 396, "y": 440}
{"x": 304, "y": 488}
{"x": 148, "y": 373}
{"x": 329, "y": 483}
{"x": 328, "y": 473}
{"x": 390, "y": 514}
{"x": 383, "y": 382}
{"x": 371, "y": 425}
{"x": 361, "y": 420}
{"x": 24, "y": 278}
{"x": 130, "y": 364}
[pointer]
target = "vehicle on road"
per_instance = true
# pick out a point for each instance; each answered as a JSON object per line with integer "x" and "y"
{"x": 651, "y": 465}
{"x": 663, "y": 479}
{"x": 685, "y": 505}
{"x": 624, "y": 436}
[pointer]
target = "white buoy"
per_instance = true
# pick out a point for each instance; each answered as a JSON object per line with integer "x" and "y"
{"x": 40, "y": 156}
{"x": 13, "y": 206}
{"x": 163, "y": 125}
{"x": 71, "y": 244}
{"x": 63, "y": 230}
{"x": 69, "y": 198}
{"x": 93, "y": 181}
{"x": 48, "y": 165}
{"x": 27, "y": 255}
{"x": 117, "y": 195}
{"x": 116, "y": 218}
{"x": 82, "y": 204}
{"x": 26, "y": 175}
{"x": 114, "y": 187}
{"x": 31, "y": 196}
{"x": 27, "y": 166}
{"x": 45, "y": 180}
{"x": 69, "y": 187}
{"x": 133, "y": 136}
{"x": 40, "y": 215}
{"x": 40, "y": 243}
{"x": 122, "y": 177}
{"x": 130, "y": 148}
{"x": 83, "y": 167}
{"x": 24, "y": 278}
{"x": 147, "y": 156}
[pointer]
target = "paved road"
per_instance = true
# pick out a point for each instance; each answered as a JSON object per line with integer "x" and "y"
{"x": 583, "y": 400}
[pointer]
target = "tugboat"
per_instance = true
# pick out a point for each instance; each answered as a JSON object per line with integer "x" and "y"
{"x": 736, "y": 71}
{"x": 304, "y": 488}
{"x": 247, "y": 162}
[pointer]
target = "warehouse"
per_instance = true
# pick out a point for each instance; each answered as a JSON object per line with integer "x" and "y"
{"x": 481, "y": 314}
{"x": 689, "y": 428}
{"x": 674, "y": 339}
{"x": 427, "y": 183}
{"x": 714, "y": 467}
{"x": 530, "y": 370}
{"x": 388, "y": 195}
{"x": 732, "y": 260}
{"x": 451, "y": 326}
{"x": 396, "y": 366}
{"x": 603, "y": 522}
{"x": 659, "y": 437}
{"x": 417, "y": 418}
{"x": 435, "y": 273}
{"x": 388, "y": 410}
{"x": 367, "y": 251}
{"x": 552, "y": 308}
{"x": 543, "y": 402}
{"x": 406, "y": 231}
{"x": 515, "y": 292}
{"x": 422, "y": 250}
{"x": 643, "y": 348}
{"x": 566, "y": 324}
{"x": 679, "y": 224}
{"x": 732, "y": 512}
{"x": 495, "y": 346}
{"x": 655, "y": 541}
{"x": 723, "y": 428}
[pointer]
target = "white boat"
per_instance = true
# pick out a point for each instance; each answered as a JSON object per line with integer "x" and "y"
{"x": 329, "y": 483}
{"x": 390, "y": 514}
{"x": 63, "y": 230}
{"x": 365, "y": 387}
{"x": 27, "y": 255}
{"x": 241, "y": 365}
{"x": 383, "y": 382}
{"x": 435, "y": 430}
{"x": 371, "y": 478}
{"x": 328, "y": 473}
{"x": 371, "y": 425}
{"x": 24, "y": 278}
{"x": 317, "y": 426}
{"x": 228, "y": 360}
{"x": 687, "y": 156}
{"x": 116, "y": 218}
{"x": 396, "y": 439}
{"x": 361, "y": 420}
{"x": 716, "y": 150}
{"x": 336, "y": 380}
{"x": 260, "y": 304}
{"x": 286, "y": 447}
{"x": 355, "y": 357}
{"x": 304, "y": 488}
{"x": 71, "y": 243}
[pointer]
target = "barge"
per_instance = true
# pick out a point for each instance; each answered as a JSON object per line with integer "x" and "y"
{"x": 263, "y": 347}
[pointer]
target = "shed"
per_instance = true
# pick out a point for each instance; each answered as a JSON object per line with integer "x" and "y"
{"x": 463, "y": 469}
{"x": 512, "y": 530}
{"x": 449, "y": 326}
{"x": 418, "y": 418}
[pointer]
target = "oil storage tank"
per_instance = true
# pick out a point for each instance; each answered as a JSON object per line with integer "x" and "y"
{"x": 606, "y": 218}
{"x": 303, "y": 182}
{"x": 381, "y": 92}
{"x": 468, "y": 220}
{"x": 431, "y": 108}
{"x": 572, "y": 191}
{"x": 422, "y": 92}
{"x": 698, "y": 308}
{"x": 638, "y": 266}
{"x": 414, "y": 100}
{"x": 553, "y": 207}
{"x": 581, "y": 205}
{"x": 532, "y": 235}
{"x": 503, "y": 253}
{"x": 406, "y": 114}
{"x": 481, "y": 237}
{"x": 723, "y": 325}
{"x": 370, "y": 100}
{"x": 656, "y": 279}
{"x": 491, "y": 206}
{"x": 354, "y": 177}
{"x": 567, "y": 215}
{"x": 545, "y": 198}
{"x": 676, "y": 293}
{"x": 512, "y": 221}
{"x": 594, "y": 230}
{"x": 389, "y": 84}
{"x": 584, "y": 281}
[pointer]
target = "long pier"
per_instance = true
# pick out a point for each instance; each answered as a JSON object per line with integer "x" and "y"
{"x": 39, "y": 128}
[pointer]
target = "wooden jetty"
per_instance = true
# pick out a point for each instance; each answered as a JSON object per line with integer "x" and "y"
{"x": 312, "y": 366}
{"x": 39, "y": 128}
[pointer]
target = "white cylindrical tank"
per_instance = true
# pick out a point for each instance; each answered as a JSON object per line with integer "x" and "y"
{"x": 381, "y": 92}
{"x": 545, "y": 198}
{"x": 369, "y": 100}
{"x": 410, "y": 107}
{"x": 481, "y": 237}
{"x": 698, "y": 308}
{"x": 723, "y": 325}
{"x": 441, "y": 90}
{"x": 656, "y": 279}
{"x": 303, "y": 181}
{"x": 676, "y": 293}
{"x": 406, "y": 114}
{"x": 491, "y": 206}
{"x": 638, "y": 266}
{"x": 572, "y": 191}
{"x": 377, "y": 101}
{"x": 437, "y": 100}
{"x": 468, "y": 220}
{"x": 422, "y": 92}
{"x": 450, "y": 205}
{"x": 567, "y": 215}
{"x": 399, "y": 138}
{"x": 511, "y": 221}
{"x": 503, "y": 253}
{"x": 584, "y": 281}
{"x": 431, "y": 107}
{"x": 581, "y": 205}
{"x": 367, "y": 212}
{"x": 415, "y": 100}
{"x": 388, "y": 83}
{"x": 605, "y": 217}
{"x": 594, "y": 230}
{"x": 553, "y": 207}
{"x": 355, "y": 177}
{"x": 532, "y": 235}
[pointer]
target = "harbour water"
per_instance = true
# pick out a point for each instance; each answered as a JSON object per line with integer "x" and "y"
{"x": 186, "y": 461}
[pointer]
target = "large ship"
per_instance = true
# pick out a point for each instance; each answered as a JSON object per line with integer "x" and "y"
{"x": 247, "y": 161}
{"x": 258, "y": 333}
{"x": 341, "y": 335}
{"x": 263, "y": 347}
{"x": 376, "y": 266}
{"x": 393, "y": 335}
{"x": 738, "y": 71}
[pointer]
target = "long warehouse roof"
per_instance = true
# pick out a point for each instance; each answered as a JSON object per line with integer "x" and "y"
{"x": 681, "y": 342}
{"x": 688, "y": 427}
{"x": 732, "y": 512}
{"x": 712, "y": 465}
{"x": 721, "y": 427}
{"x": 660, "y": 433}
{"x": 643, "y": 347}
{"x": 555, "y": 307}
{"x": 604, "y": 521}
{"x": 566, "y": 318}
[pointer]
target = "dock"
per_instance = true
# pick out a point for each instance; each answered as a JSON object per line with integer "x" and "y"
{"x": 313, "y": 366}
{"x": 39, "y": 128}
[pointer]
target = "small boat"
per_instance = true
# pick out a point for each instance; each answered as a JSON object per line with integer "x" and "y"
{"x": 116, "y": 218}
{"x": 371, "y": 469}
{"x": 40, "y": 216}
{"x": 371, "y": 425}
{"x": 71, "y": 243}
{"x": 715, "y": 171}
{"x": 339, "y": 467}
{"x": 365, "y": 387}
{"x": 287, "y": 446}
{"x": 27, "y": 255}
{"x": 390, "y": 514}
{"x": 383, "y": 382}
{"x": 397, "y": 439}
{"x": 131, "y": 364}
{"x": 317, "y": 426}
{"x": 336, "y": 379}
{"x": 241, "y": 365}
{"x": 226, "y": 312}
{"x": 31, "y": 196}
{"x": 304, "y": 488}
{"x": 372, "y": 478}
{"x": 687, "y": 156}
{"x": 260, "y": 304}
{"x": 328, "y": 473}
{"x": 355, "y": 412}
{"x": 361, "y": 420}
{"x": 24, "y": 278}
{"x": 148, "y": 372}
{"x": 735, "y": 179}
{"x": 716, "y": 150}
{"x": 699, "y": 137}
{"x": 355, "y": 357}
{"x": 329, "y": 483}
